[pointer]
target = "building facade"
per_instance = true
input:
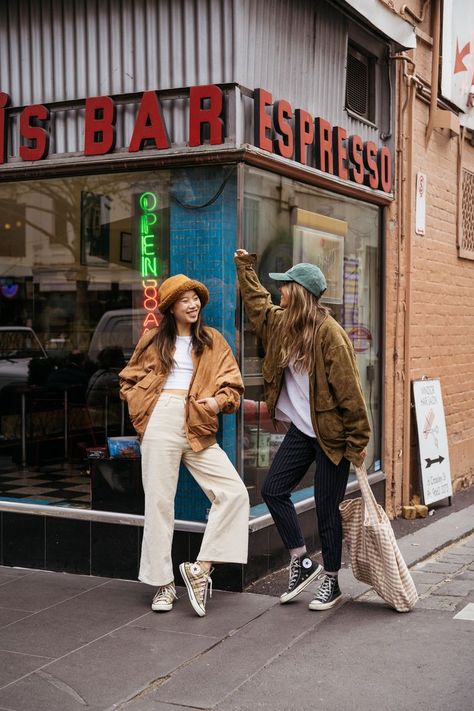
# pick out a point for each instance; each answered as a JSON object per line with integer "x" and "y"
{"x": 142, "y": 139}
{"x": 429, "y": 246}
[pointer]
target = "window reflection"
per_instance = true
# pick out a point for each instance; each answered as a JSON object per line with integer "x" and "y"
{"x": 286, "y": 222}
{"x": 71, "y": 312}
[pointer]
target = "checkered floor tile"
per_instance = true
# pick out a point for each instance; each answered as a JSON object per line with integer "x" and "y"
{"x": 56, "y": 487}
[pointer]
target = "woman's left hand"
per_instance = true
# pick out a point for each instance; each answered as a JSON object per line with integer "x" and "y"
{"x": 211, "y": 402}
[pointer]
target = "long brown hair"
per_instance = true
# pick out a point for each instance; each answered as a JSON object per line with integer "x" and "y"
{"x": 165, "y": 339}
{"x": 300, "y": 320}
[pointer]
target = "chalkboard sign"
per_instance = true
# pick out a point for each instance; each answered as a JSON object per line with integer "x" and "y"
{"x": 432, "y": 440}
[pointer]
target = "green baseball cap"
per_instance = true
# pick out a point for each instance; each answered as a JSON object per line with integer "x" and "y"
{"x": 308, "y": 275}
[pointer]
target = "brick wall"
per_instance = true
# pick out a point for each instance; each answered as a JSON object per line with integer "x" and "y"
{"x": 442, "y": 299}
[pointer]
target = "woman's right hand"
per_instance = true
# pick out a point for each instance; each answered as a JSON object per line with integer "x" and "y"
{"x": 240, "y": 253}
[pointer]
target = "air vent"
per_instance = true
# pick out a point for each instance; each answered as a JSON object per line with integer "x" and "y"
{"x": 466, "y": 246}
{"x": 359, "y": 80}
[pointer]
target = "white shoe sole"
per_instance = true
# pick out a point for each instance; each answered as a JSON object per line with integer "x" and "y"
{"x": 161, "y": 608}
{"x": 287, "y": 597}
{"x": 325, "y": 605}
{"x": 192, "y": 597}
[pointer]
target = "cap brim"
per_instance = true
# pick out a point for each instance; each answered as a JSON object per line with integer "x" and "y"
{"x": 280, "y": 276}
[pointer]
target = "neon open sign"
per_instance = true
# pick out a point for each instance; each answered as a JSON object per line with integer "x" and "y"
{"x": 149, "y": 264}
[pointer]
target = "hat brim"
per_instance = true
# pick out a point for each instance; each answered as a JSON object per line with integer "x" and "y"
{"x": 280, "y": 276}
{"x": 188, "y": 285}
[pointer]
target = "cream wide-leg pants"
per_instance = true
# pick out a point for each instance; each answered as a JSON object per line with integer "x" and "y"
{"x": 163, "y": 447}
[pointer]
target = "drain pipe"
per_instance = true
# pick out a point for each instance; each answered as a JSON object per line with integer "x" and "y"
{"x": 395, "y": 362}
{"x": 436, "y": 34}
{"x": 404, "y": 218}
{"x": 408, "y": 284}
{"x": 408, "y": 11}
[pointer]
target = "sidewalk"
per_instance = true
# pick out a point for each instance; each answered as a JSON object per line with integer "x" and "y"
{"x": 69, "y": 643}
{"x": 274, "y": 583}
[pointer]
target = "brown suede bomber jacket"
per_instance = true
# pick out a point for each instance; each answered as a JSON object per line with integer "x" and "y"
{"x": 338, "y": 410}
{"x": 216, "y": 374}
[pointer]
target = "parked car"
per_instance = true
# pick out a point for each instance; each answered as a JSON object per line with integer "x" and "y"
{"x": 121, "y": 327}
{"x": 18, "y": 345}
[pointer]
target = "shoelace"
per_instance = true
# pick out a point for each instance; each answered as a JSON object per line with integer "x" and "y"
{"x": 326, "y": 588}
{"x": 294, "y": 572}
{"x": 167, "y": 593}
{"x": 204, "y": 586}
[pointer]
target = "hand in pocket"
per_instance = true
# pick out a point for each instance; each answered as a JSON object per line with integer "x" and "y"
{"x": 210, "y": 402}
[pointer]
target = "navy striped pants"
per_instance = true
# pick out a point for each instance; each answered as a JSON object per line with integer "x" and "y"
{"x": 296, "y": 453}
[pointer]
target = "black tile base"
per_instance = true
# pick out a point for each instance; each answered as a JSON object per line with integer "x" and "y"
{"x": 113, "y": 550}
{"x": 23, "y": 537}
{"x": 67, "y": 545}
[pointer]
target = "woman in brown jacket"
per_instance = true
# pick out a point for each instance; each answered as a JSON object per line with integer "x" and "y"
{"x": 180, "y": 376}
{"x": 311, "y": 381}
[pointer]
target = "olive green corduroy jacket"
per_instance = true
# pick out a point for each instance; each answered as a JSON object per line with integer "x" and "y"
{"x": 338, "y": 410}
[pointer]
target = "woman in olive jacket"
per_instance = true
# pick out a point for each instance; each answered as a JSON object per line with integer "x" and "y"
{"x": 310, "y": 381}
{"x": 180, "y": 376}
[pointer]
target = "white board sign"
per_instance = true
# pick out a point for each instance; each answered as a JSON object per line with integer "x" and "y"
{"x": 432, "y": 440}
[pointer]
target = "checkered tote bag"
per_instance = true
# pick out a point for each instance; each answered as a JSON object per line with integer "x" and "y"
{"x": 374, "y": 553}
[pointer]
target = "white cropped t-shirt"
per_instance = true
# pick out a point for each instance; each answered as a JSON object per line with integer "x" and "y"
{"x": 182, "y": 371}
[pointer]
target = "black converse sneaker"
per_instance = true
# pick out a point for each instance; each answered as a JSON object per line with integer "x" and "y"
{"x": 327, "y": 595}
{"x": 302, "y": 573}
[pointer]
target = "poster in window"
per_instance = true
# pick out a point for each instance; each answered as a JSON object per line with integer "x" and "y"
{"x": 319, "y": 239}
{"x": 95, "y": 227}
{"x": 326, "y": 250}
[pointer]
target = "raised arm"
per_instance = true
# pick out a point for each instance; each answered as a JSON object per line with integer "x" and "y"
{"x": 262, "y": 313}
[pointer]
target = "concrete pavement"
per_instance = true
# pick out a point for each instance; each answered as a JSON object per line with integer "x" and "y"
{"x": 75, "y": 642}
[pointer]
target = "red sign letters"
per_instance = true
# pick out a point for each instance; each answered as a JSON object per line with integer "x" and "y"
{"x": 333, "y": 151}
{"x": 279, "y": 129}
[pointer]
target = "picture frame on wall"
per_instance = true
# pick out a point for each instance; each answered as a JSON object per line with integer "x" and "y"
{"x": 126, "y": 247}
{"x": 320, "y": 239}
{"x": 326, "y": 250}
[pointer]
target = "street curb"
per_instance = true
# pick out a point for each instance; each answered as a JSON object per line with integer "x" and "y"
{"x": 438, "y": 535}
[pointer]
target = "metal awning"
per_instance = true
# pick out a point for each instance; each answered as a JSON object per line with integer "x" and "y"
{"x": 380, "y": 16}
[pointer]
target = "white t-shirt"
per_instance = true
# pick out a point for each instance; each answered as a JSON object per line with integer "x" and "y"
{"x": 182, "y": 371}
{"x": 293, "y": 403}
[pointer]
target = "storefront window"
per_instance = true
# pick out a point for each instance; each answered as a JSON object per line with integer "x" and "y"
{"x": 286, "y": 222}
{"x": 81, "y": 260}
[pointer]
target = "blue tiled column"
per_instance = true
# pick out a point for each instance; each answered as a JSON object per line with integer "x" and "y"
{"x": 202, "y": 245}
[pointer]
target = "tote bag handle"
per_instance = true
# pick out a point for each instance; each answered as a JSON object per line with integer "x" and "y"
{"x": 370, "y": 505}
